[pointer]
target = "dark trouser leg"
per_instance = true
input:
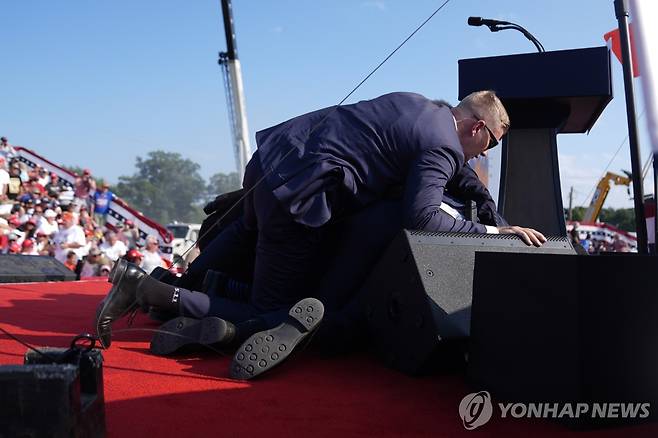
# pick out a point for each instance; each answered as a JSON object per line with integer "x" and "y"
{"x": 363, "y": 239}
{"x": 231, "y": 252}
{"x": 288, "y": 257}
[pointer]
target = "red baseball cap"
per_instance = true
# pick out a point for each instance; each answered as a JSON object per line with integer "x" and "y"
{"x": 133, "y": 255}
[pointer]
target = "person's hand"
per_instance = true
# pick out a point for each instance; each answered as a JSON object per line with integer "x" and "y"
{"x": 528, "y": 235}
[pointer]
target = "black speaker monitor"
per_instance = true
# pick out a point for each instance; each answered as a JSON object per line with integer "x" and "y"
{"x": 567, "y": 330}
{"x": 419, "y": 293}
{"x": 15, "y": 268}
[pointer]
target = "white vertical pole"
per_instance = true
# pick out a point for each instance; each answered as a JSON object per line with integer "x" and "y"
{"x": 243, "y": 150}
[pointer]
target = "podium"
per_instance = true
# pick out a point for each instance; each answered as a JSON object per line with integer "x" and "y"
{"x": 545, "y": 94}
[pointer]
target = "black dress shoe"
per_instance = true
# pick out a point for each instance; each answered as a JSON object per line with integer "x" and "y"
{"x": 121, "y": 300}
{"x": 265, "y": 350}
{"x": 183, "y": 332}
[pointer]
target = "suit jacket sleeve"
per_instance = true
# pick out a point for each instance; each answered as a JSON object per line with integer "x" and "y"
{"x": 467, "y": 186}
{"x": 427, "y": 178}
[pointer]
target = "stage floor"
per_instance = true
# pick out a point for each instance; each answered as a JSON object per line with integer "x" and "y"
{"x": 309, "y": 396}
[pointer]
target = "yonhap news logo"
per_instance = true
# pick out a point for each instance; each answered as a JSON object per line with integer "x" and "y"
{"x": 476, "y": 409}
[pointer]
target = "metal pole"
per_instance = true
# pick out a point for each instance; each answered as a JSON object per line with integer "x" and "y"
{"x": 235, "y": 92}
{"x": 229, "y": 32}
{"x": 621, "y": 12}
{"x": 655, "y": 203}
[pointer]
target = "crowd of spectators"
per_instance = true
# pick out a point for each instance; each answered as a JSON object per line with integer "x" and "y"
{"x": 42, "y": 215}
{"x": 591, "y": 245}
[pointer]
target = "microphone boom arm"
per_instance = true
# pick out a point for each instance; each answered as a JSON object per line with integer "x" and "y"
{"x": 498, "y": 25}
{"x": 528, "y": 35}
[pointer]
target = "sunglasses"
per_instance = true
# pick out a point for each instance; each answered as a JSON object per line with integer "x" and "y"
{"x": 493, "y": 141}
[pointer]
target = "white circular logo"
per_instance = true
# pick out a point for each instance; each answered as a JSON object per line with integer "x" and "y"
{"x": 475, "y": 409}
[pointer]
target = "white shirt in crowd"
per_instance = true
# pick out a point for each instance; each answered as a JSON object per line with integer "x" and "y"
{"x": 7, "y": 151}
{"x": 32, "y": 251}
{"x": 73, "y": 234}
{"x": 113, "y": 252}
{"x": 26, "y": 216}
{"x": 47, "y": 228}
{"x": 4, "y": 180}
{"x": 151, "y": 261}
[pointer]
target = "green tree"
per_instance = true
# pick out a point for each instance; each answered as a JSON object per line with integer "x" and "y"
{"x": 622, "y": 218}
{"x": 166, "y": 187}
{"x": 578, "y": 213}
{"x": 222, "y": 183}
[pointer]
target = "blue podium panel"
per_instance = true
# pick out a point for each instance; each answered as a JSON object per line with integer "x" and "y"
{"x": 565, "y": 89}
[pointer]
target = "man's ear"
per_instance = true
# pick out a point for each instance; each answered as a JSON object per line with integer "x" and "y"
{"x": 477, "y": 126}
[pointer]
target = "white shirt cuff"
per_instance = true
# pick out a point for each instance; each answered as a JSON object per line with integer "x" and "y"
{"x": 492, "y": 230}
{"x": 452, "y": 212}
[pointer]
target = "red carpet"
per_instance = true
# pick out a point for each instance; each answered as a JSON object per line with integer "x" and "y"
{"x": 311, "y": 396}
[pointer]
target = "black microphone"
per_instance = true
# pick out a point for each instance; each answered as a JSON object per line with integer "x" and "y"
{"x": 479, "y": 21}
{"x": 497, "y": 25}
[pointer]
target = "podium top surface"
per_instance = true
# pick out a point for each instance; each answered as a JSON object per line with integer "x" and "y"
{"x": 565, "y": 89}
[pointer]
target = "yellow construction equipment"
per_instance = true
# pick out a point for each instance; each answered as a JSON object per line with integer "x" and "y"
{"x": 601, "y": 193}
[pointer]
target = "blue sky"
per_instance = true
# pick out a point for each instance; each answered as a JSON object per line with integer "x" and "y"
{"x": 97, "y": 84}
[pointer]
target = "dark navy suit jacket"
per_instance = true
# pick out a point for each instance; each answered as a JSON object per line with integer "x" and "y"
{"x": 337, "y": 160}
{"x": 466, "y": 186}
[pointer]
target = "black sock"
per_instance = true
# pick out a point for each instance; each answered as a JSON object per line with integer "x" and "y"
{"x": 237, "y": 290}
{"x": 162, "y": 296}
{"x": 220, "y": 284}
{"x": 163, "y": 275}
{"x": 189, "y": 281}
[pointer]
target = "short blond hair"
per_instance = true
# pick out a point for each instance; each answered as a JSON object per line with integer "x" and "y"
{"x": 487, "y": 105}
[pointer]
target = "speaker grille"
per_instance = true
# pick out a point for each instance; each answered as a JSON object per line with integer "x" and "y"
{"x": 488, "y": 242}
{"x": 480, "y": 236}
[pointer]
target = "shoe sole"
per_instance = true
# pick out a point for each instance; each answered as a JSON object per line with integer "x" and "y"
{"x": 182, "y": 331}
{"x": 267, "y": 349}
